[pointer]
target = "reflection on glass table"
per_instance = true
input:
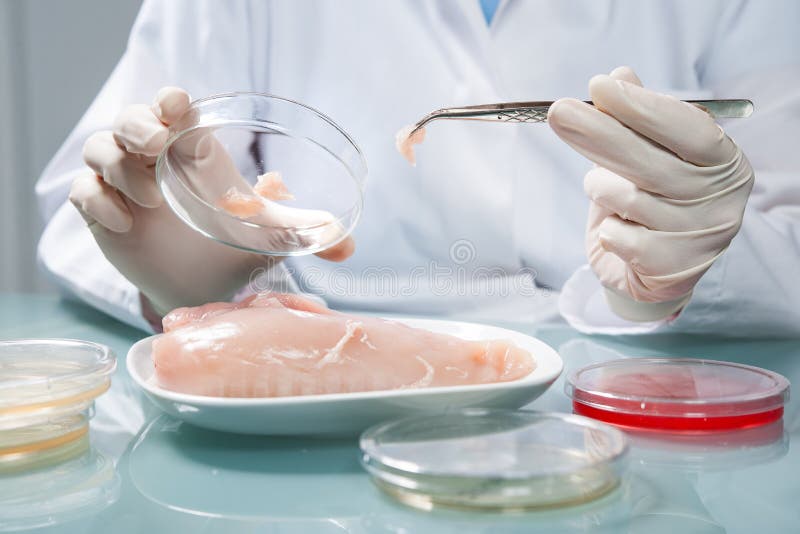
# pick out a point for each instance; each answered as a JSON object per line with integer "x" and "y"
{"x": 53, "y": 495}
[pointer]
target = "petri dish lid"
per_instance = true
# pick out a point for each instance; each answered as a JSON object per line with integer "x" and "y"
{"x": 225, "y": 143}
{"x": 81, "y": 486}
{"x": 45, "y": 378}
{"x": 44, "y": 444}
{"x": 678, "y": 394}
{"x": 494, "y": 459}
{"x": 44, "y": 431}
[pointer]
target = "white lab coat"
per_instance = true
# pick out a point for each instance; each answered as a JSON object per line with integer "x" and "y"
{"x": 505, "y": 197}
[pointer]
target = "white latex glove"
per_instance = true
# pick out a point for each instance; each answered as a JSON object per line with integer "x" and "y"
{"x": 171, "y": 264}
{"x": 668, "y": 191}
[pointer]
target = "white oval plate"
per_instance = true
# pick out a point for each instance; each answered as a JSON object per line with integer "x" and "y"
{"x": 348, "y": 413}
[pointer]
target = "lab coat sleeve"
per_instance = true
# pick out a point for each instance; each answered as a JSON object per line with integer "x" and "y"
{"x": 754, "y": 288}
{"x": 203, "y": 46}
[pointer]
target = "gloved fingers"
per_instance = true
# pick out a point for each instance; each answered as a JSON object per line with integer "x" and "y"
{"x": 130, "y": 173}
{"x": 139, "y": 131}
{"x": 307, "y": 227}
{"x": 205, "y": 164}
{"x": 647, "y": 288}
{"x": 597, "y": 214}
{"x": 99, "y": 202}
{"x": 626, "y": 74}
{"x": 339, "y": 252}
{"x": 198, "y": 145}
{"x": 616, "y": 273}
{"x": 610, "y": 144}
{"x": 655, "y": 253}
{"x": 609, "y": 268}
{"x": 170, "y": 104}
{"x": 622, "y": 197}
{"x": 142, "y": 129}
{"x": 198, "y": 154}
{"x": 682, "y": 128}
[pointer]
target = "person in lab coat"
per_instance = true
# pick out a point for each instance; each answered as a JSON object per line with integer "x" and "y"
{"x": 666, "y": 196}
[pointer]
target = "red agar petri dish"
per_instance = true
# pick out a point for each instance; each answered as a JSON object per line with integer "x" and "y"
{"x": 678, "y": 394}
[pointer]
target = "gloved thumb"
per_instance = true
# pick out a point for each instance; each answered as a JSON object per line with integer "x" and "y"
{"x": 626, "y": 74}
{"x": 98, "y": 202}
{"x": 170, "y": 103}
{"x": 141, "y": 129}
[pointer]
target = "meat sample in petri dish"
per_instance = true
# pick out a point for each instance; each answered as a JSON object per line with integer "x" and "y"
{"x": 270, "y": 185}
{"x": 241, "y": 205}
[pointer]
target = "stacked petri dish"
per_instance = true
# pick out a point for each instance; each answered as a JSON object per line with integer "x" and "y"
{"x": 47, "y": 393}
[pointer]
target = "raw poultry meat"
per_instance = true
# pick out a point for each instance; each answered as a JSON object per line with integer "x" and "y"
{"x": 240, "y": 204}
{"x": 270, "y": 185}
{"x": 405, "y": 141}
{"x": 275, "y": 345}
{"x": 245, "y": 205}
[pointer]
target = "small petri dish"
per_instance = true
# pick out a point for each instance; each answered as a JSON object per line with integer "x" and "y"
{"x": 46, "y": 377}
{"x": 678, "y": 394}
{"x": 80, "y": 486}
{"x": 225, "y": 143}
{"x": 44, "y": 443}
{"x": 47, "y": 393}
{"x": 499, "y": 460}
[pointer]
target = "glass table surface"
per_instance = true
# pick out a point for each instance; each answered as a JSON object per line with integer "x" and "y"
{"x": 147, "y": 472}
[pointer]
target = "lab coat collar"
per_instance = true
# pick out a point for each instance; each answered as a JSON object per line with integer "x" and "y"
{"x": 469, "y": 42}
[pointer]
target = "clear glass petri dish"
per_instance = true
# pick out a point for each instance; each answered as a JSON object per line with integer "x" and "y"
{"x": 678, "y": 394}
{"x": 79, "y": 486}
{"x": 44, "y": 443}
{"x": 228, "y": 141}
{"x": 501, "y": 460}
{"x": 45, "y": 378}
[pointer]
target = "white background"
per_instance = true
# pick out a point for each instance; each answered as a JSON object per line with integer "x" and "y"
{"x": 54, "y": 57}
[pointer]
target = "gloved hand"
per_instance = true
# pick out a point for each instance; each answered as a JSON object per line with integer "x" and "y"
{"x": 668, "y": 191}
{"x": 171, "y": 264}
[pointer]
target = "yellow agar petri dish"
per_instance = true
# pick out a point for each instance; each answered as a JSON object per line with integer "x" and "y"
{"x": 500, "y": 460}
{"x": 43, "y": 444}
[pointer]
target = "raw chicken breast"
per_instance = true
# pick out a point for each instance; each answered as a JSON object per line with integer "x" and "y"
{"x": 275, "y": 345}
{"x": 270, "y": 185}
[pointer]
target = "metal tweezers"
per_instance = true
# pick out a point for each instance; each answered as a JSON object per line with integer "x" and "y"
{"x": 537, "y": 111}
